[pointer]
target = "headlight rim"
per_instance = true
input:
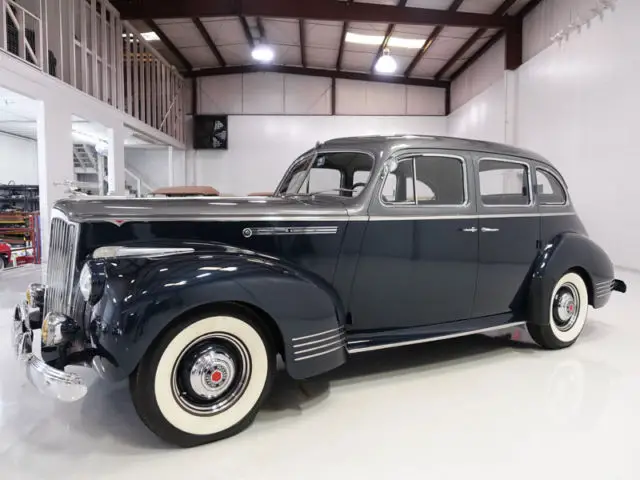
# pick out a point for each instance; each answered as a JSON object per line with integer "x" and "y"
{"x": 96, "y": 279}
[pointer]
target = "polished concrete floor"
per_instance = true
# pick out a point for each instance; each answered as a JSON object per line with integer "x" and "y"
{"x": 477, "y": 407}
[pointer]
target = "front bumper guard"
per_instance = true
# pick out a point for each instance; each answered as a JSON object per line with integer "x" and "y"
{"x": 58, "y": 384}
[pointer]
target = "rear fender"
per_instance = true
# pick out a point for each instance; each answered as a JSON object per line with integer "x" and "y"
{"x": 142, "y": 296}
{"x": 568, "y": 251}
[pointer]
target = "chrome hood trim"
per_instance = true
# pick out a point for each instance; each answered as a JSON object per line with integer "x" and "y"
{"x": 123, "y": 210}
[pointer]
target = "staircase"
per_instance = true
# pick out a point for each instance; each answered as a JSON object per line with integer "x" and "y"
{"x": 86, "y": 165}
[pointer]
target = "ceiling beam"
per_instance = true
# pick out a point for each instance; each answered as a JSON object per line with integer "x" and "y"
{"x": 247, "y": 32}
{"x": 303, "y": 55}
{"x": 435, "y": 33}
{"x": 387, "y": 37}
{"x": 345, "y": 26}
{"x": 500, "y": 11}
{"x": 495, "y": 39}
{"x": 261, "y": 30}
{"x": 316, "y": 72}
{"x": 169, "y": 44}
{"x": 309, "y": 9}
{"x": 209, "y": 41}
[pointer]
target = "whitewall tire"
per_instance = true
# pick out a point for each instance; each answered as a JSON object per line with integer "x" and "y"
{"x": 205, "y": 379}
{"x": 566, "y": 313}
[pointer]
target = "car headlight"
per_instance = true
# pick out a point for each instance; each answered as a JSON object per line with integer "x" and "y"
{"x": 91, "y": 283}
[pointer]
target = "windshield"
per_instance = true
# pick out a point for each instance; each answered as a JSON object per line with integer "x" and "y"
{"x": 343, "y": 174}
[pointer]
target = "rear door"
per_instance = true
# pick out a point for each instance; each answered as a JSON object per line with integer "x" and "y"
{"x": 509, "y": 230}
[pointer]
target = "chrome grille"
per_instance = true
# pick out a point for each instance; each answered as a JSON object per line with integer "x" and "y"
{"x": 61, "y": 265}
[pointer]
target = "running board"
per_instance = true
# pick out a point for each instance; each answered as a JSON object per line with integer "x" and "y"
{"x": 371, "y": 344}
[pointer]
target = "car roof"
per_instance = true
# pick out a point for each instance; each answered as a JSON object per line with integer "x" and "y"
{"x": 429, "y": 141}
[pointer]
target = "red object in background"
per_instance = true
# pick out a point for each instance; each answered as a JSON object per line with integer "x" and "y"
{"x": 5, "y": 249}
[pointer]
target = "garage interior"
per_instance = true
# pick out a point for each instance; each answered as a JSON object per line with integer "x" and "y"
{"x": 103, "y": 98}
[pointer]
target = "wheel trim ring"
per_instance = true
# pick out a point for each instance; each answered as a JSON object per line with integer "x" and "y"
{"x": 560, "y": 308}
{"x": 229, "y": 398}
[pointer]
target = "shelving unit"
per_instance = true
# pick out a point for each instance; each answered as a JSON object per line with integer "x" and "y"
{"x": 19, "y": 199}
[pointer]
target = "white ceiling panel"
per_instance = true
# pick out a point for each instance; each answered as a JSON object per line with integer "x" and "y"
{"x": 357, "y": 61}
{"x": 286, "y": 55}
{"x": 321, "y": 57}
{"x": 283, "y": 32}
{"x": 379, "y": 2}
{"x": 173, "y": 21}
{"x": 458, "y": 32}
{"x": 368, "y": 28}
{"x": 323, "y": 34}
{"x": 480, "y": 6}
{"x": 225, "y": 31}
{"x": 519, "y": 5}
{"x": 435, "y": 4}
{"x": 183, "y": 35}
{"x": 445, "y": 47}
{"x": 428, "y": 67}
{"x": 200, "y": 57}
{"x": 239, "y": 54}
{"x": 413, "y": 31}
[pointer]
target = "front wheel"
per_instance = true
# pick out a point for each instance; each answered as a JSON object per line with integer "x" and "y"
{"x": 204, "y": 380}
{"x": 566, "y": 314}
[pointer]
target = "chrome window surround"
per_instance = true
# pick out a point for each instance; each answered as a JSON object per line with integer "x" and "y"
{"x": 529, "y": 183}
{"x": 321, "y": 152}
{"x": 412, "y": 156}
{"x": 562, "y": 186}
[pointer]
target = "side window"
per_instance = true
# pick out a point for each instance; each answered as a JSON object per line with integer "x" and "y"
{"x": 439, "y": 180}
{"x": 398, "y": 186}
{"x": 550, "y": 190}
{"x": 504, "y": 183}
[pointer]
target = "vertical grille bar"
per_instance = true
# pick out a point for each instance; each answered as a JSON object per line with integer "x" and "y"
{"x": 60, "y": 270}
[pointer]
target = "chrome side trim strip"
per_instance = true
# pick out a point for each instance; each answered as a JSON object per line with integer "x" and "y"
{"x": 333, "y": 330}
{"x": 430, "y": 339}
{"x": 113, "y": 252}
{"x": 315, "y": 342}
{"x": 468, "y": 217}
{"x": 289, "y": 230}
{"x": 320, "y": 347}
{"x": 318, "y": 354}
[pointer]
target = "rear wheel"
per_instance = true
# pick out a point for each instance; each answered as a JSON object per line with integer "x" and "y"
{"x": 205, "y": 379}
{"x": 4, "y": 263}
{"x": 566, "y": 314}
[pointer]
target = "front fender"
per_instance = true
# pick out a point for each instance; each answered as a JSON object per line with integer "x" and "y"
{"x": 568, "y": 251}
{"x": 142, "y": 296}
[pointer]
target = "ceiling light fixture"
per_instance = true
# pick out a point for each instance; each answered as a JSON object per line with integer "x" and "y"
{"x": 150, "y": 36}
{"x": 362, "y": 39}
{"x": 386, "y": 63}
{"x": 262, "y": 53}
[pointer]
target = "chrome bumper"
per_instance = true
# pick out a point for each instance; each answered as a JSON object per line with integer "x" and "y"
{"x": 64, "y": 386}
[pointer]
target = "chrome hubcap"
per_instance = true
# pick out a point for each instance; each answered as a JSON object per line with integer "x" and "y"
{"x": 566, "y": 306}
{"x": 211, "y": 374}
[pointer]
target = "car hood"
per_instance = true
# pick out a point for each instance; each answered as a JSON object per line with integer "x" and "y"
{"x": 199, "y": 209}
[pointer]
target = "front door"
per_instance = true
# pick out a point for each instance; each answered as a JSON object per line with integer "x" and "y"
{"x": 418, "y": 260}
{"x": 509, "y": 231}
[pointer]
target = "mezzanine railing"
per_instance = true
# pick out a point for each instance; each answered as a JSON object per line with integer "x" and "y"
{"x": 85, "y": 44}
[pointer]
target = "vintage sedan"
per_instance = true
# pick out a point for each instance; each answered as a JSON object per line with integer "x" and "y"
{"x": 367, "y": 243}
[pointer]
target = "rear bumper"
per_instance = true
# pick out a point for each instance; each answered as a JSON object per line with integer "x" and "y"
{"x": 58, "y": 384}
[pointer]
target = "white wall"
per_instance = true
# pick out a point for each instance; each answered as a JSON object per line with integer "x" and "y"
{"x": 483, "y": 117}
{"x": 576, "y": 104}
{"x": 152, "y": 166}
{"x": 261, "y": 147}
{"x": 276, "y": 93}
{"x": 18, "y": 160}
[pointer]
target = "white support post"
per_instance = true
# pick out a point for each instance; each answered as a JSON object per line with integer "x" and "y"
{"x": 136, "y": 78}
{"x": 129, "y": 72}
{"x": 115, "y": 161}
{"x": 55, "y": 160}
{"x": 170, "y": 165}
{"x": 44, "y": 38}
{"x": 119, "y": 64}
{"x": 143, "y": 84}
{"x": 511, "y": 105}
{"x": 94, "y": 49}
{"x": 115, "y": 40}
{"x": 100, "y": 168}
{"x": 22, "y": 47}
{"x": 73, "y": 67}
{"x": 3, "y": 24}
{"x": 83, "y": 47}
{"x": 104, "y": 53}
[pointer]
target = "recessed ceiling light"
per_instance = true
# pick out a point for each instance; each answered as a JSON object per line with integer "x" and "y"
{"x": 262, "y": 53}
{"x": 386, "y": 63}
{"x": 150, "y": 36}
{"x": 362, "y": 39}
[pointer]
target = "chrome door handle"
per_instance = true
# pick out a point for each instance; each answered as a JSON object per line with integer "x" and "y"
{"x": 486, "y": 230}
{"x": 469, "y": 230}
